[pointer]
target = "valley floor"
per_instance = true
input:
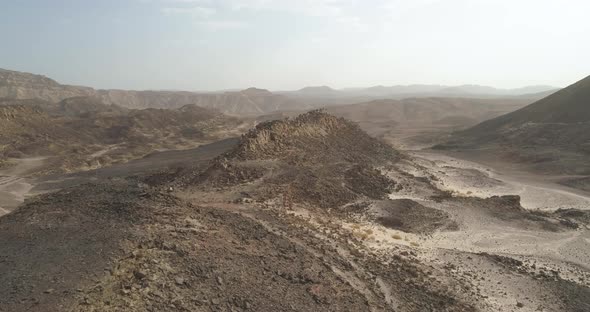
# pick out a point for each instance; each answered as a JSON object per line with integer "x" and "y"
{"x": 486, "y": 261}
{"x": 484, "y": 179}
{"x": 534, "y": 249}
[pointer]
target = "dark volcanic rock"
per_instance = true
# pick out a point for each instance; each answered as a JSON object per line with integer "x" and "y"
{"x": 315, "y": 158}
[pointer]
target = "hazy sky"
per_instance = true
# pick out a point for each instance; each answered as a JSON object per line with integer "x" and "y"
{"x": 288, "y": 44}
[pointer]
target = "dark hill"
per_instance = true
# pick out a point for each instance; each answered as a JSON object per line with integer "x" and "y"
{"x": 569, "y": 105}
{"x": 315, "y": 135}
{"x": 552, "y": 134}
{"x": 315, "y": 158}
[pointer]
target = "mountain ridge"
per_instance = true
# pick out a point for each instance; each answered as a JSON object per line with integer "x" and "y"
{"x": 552, "y": 132}
{"x": 251, "y": 101}
{"x": 19, "y": 85}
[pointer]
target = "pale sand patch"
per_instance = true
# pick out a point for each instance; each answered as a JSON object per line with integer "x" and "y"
{"x": 14, "y": 186}
{"x": 466, "y": 178}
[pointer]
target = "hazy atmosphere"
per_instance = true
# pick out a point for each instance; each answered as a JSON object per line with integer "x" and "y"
{"x": 284, "y": 156}
{"x": 285, "y": 45}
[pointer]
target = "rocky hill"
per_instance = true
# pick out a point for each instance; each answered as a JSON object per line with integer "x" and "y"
{"x": 314, "y": 158}
{"x": 18, "y": 85}
{"x": 552, "y": 133}
{"x": 313, "y": 136}
{"x": 82, "y": 133}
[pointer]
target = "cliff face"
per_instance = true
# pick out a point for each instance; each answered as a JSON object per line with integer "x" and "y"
{"x": 18, "y": 85}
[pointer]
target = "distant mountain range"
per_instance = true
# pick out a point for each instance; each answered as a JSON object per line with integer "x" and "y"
{"x": 252, "y": 101}
{"x": 459, "y": 112}
{"x": 401, "y": 91}
{"x": 18, "y": 85}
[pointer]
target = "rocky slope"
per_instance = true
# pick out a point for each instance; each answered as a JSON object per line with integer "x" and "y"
{"x": 129, "y": 248}
{"x": 315, "y": 158}
{"x": 553, "y": 134}
{"x": 454, "y": 112}
{"x": 18, "y": 85}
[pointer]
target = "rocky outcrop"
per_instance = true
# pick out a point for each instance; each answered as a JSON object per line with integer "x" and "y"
{"x": 313, "y": 136}
{"x": 315, "y": 158}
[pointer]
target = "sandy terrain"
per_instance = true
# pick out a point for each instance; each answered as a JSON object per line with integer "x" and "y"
{"x": 480, "y": 232}
{"x": 482, "y": 236}
{"x": 509, "y": 262}
{"x": 464, "y": 177}
{"x": 14, "y": 183}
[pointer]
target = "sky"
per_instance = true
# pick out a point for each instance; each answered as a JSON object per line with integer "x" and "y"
{"x": 289, "y": 44}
